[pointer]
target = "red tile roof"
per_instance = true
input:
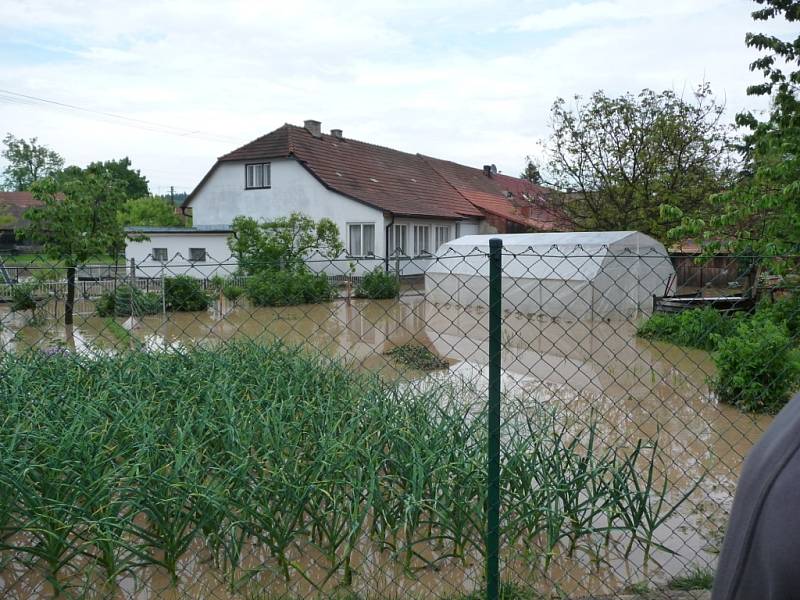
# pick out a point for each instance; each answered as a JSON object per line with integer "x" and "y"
{"x": 512, "y": 198}
{"x": 15, "y": 204}
{"x": 397, "y": 182}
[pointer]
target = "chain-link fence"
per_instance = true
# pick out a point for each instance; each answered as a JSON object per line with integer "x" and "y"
{"x": 490, "y": 422}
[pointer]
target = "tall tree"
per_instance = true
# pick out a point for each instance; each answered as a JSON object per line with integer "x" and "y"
{"x": 28, "y": 162}
{"x": 134, "y": 184}
{"x": 531, "y": 172}
{"x": 618, "y": 159}
{"x": 760, "y": 215}
{"x": 76, "y": 221}
{"x": 150, "y": 211}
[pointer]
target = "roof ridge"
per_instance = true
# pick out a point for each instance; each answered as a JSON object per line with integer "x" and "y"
{"x": 347, "y": 139}
{"x": 253, "y": 141}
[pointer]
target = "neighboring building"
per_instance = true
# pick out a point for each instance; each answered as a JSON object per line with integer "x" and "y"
{"x": 12, "y": 208}
{"x": 198, "y": 251}
{"x": 718, "y": 271}
{"x": 386, "y": 203}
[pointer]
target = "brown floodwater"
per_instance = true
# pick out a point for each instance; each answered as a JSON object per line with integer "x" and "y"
{"x": 633, "y": 388}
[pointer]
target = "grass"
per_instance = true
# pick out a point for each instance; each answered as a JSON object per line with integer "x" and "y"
{"x": 417, "y": 357}
{"x": 131, "y": 461}
{"x": 697, "y": 579}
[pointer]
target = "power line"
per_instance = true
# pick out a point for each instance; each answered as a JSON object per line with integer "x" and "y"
{"x": 10, "y": 97}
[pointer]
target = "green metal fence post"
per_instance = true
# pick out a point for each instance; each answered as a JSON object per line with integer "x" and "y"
{"x": 493, "y": 492}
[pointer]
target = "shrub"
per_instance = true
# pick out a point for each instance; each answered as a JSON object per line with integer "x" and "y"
{"x": 22, "y": 297}
{"x": 285, "y": 288}
{"x": 377, "y": 285}
{"x": 185, "y": 294}
{"x": 232, "y": 291}
{"x": 785, "y": 311}
{"x": 757, "y": 366}
{"x": 698, "y": 328}
{"x": 128, "y": 300}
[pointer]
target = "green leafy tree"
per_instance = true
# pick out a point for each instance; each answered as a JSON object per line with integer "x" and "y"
{"x": 761, "y": 213}
{"x": 531, "y": 172}
{"x": 28, "y": 162}
{"x": 283, "y": 243}
{"x": 149, "y": 211}
{"x": 75, "y": 222}
{"x": 134, "y": 184}
{"x": 619, "y": 159}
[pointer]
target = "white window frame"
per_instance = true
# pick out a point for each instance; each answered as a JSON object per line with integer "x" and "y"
{"x": 154, "y": 252}
{"x": 418, "y": 235}
{"x": 439, "y": 236}
{"x": 393, "y": 234}
{"x": 261, "y": 178}
{"x": 194, "y": 260}
{"x": 361, "y": 245}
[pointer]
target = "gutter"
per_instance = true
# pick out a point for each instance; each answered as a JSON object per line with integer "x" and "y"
{"x": 386, "y": 243}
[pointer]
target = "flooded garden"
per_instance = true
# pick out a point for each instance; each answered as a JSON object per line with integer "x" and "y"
{"x": 292, "y": 449}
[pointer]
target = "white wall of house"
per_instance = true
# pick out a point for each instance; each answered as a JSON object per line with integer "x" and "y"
{"x": 218, "y": 260}
{"x": 293, "y": 189}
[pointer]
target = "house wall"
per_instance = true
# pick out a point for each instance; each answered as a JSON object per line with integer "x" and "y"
{"x": 218, "y": 255}
{"x": 294, "y": 189}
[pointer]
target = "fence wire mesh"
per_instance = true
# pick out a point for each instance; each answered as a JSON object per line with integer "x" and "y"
{"x": 204, "y": 432}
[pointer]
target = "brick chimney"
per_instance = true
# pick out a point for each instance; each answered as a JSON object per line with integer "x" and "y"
{"x": 313, "y": 127}
{"x": 337, "y": 133}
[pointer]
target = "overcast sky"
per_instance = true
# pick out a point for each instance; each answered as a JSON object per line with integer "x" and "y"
{"x": 466, "y": 80}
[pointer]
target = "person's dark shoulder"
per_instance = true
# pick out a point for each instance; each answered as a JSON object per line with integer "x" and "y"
{"x": 761, "y": 550}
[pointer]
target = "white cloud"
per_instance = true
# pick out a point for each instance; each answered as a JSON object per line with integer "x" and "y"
{"x": 578, "y": 14}
{"x": 459, "y": 80}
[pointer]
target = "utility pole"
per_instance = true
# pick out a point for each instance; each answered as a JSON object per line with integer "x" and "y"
{"x": 172, "y": 195}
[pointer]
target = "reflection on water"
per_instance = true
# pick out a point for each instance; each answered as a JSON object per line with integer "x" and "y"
{"x": 634, "y": 388}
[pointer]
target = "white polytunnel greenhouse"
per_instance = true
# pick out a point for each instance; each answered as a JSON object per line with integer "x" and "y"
{"x": 571, "y": 275}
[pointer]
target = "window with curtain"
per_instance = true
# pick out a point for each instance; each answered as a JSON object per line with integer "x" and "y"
{"x": 256, "y": 176}
{"x": 422, "y": 240}
{"x": 442, "y": 234}
{"x": 159, "y": 254}
{"x": 398, "y": 240}
{"x": 361, "y": 239}
{"x": 197, "y": 255}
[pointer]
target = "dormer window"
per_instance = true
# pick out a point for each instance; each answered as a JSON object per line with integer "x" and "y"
{"x": 256, "y": 176}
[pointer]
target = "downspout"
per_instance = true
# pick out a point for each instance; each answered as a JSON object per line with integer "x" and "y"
{"x": 386, "y": 243}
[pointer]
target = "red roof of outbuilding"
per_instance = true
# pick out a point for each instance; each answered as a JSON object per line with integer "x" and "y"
{"x": 394, "y": 181}
{"x": 15, "y": 204}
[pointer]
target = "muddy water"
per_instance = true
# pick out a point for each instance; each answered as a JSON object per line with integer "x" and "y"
{"x": 633, "y": 388}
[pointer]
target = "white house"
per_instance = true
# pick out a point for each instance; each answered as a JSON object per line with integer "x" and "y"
{"x": 392, "y": 208}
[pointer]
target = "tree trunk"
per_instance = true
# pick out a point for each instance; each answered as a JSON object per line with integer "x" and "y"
{"x": 69, "y": 304}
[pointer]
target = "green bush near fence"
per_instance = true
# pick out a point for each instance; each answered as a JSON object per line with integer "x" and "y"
{"x": 286, "y": 288}
{"x": 785, "y": 311}
{"x": 695, "y": 328}
{"x": 144, "y": 458}
{"x": 23, "y": 297}
{"x": 755, "y": 355}
{"x": 128, "y": 300}
{"x": 184, "y": 293}
{"x": 226, "y": 286}
{"x": 378, "y": 285}
{"x": 232, "y": 292}
{"x": 758, "y": 366}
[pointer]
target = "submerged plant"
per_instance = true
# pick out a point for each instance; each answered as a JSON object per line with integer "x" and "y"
{"x": 136, "y": 460}
{"x": 417, "y": 357}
